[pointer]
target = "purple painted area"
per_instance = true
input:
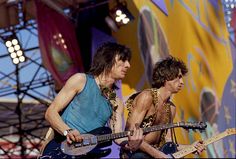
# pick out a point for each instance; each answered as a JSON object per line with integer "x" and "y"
{"x": 215, "y": 4}
{"x": 161, "y": 5}
{"x": 228, "y": 108}
{"x": 233, "y": 52}
{"x": 98, "y": 38}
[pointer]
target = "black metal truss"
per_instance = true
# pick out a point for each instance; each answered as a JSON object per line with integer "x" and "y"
{"x": 25, "y": 92}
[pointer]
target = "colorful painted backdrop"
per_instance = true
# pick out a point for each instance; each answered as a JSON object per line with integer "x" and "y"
{"x": 195, "y": 32}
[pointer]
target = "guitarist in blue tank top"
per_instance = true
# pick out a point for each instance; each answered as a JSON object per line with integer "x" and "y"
{"x": 85, "y": 104}
{"x": 154, "y": 107}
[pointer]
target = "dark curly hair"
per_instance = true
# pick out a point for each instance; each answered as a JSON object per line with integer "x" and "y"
{"x": 104, "y": 57}
{"x": 167, "y": 70}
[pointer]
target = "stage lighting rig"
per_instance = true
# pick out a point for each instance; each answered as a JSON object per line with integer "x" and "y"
{"x": 119, "y": 15}
{"x": 14, "y": 49}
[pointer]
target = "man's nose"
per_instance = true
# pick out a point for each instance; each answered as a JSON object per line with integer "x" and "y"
{"x": 181, "y": 81}
{"x": 127, "y": 64}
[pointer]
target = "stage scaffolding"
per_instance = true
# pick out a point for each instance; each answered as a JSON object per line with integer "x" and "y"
{"x": 26, "y": 90}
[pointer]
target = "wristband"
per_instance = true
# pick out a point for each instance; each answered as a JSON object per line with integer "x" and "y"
{"x": 66, "y": 132}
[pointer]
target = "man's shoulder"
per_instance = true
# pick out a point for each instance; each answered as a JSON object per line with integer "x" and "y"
{"x": 143, "y": 93}
{"x": 146, "y": 92}
{"x": 144, "y": 96}
{"x": 78, "y": 77}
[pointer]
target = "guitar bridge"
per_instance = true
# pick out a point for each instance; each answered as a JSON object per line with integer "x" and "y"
{"x": 86, "y": 142}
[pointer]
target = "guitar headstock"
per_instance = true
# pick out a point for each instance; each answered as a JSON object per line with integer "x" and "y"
{"x": 193, "y": 125}
{"x": 231, "y": 131}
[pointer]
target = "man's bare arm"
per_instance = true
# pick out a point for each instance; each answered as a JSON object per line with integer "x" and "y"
{"x": 130, "y": 142}
{"x": 72, "y": 86}
{"x": 142, "y": 103}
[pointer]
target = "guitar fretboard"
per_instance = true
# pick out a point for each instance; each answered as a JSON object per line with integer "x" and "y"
{"x": 160, "y": 127}
{"x": 215, "y": 138}
{"x": 191, "y": 148}
{"x": 106, "y": 137}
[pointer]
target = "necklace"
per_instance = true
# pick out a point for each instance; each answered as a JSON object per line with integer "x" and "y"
{"x": 110, "y": 95}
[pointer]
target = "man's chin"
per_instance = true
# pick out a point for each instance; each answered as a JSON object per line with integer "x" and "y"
{"x": 120, "y": 78}
{"x": 123, "y": 76}
{"x": 177, "y": 91}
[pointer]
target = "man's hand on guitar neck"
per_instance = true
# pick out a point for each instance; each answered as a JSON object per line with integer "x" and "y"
{"x": 73, "y": 136}
{"x": 199, "y": 145}
{"x": 135, "y": 139}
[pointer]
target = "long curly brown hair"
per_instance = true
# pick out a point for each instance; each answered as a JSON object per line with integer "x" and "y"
{"x": 104, "y": 57}
{"x": 167, "y": 70}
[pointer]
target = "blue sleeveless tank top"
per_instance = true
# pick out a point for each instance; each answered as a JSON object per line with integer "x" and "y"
{"x": 89, "y": 109}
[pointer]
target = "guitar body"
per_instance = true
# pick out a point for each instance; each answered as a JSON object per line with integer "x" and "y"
{"x": 169, "y": 148}
{"x": 54, "y": 149}
{"x": 94, "y": 141}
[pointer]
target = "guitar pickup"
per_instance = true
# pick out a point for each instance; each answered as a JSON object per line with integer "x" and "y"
{"x": 86, "y": 142}
{"x": 94, "y": 140}
{"x": 90, "y": 141}
{"x": 78, "y": 144}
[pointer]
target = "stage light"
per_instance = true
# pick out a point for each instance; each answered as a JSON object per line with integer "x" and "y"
{"x": 14, "y": 49}
{"x": 13, "y": 55}
{"x": 119, "y": 15}
{"x": 19, "y": 53}
{"x": 229, "y": 5}
{"x": 8, "y": 43}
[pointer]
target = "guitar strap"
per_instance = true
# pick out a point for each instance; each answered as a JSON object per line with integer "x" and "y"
{"x": 48, "y": 137}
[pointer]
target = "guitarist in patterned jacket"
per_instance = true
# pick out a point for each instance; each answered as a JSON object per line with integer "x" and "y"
{"x": 153, "y": 107}
{"x": 88, "y": 101}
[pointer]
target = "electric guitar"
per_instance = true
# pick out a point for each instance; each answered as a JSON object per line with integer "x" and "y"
{"x": 94, "y": 141}
{"x": 170, "y": 147}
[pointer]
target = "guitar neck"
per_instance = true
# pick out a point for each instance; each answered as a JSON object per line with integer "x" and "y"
{"x": 160, "y": 127}
{"x": 191, "y": 148}
{"x": 106, "y": 137}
